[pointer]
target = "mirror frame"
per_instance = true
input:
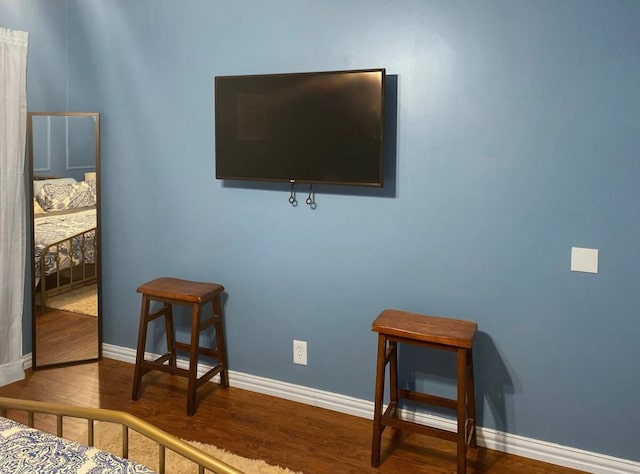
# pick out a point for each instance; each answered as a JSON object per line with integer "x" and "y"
{"x": 97, "y": 239}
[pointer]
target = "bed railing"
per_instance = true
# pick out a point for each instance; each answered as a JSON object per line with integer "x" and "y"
{"x": 71, "y": 261}
{"x": 164, "y": 440}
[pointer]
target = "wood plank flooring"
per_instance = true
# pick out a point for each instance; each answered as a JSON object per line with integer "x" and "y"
{"x": 301, "y": 437}
{"x": 63, "y": 337}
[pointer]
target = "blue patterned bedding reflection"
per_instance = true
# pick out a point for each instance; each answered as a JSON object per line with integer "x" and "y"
{"x": 49, "y": 229}
{"x": 26, "y": 450}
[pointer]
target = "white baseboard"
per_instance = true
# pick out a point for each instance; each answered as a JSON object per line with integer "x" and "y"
{"x": 505, "y": 442}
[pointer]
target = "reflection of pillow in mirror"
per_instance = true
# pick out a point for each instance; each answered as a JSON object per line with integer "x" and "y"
{"x": 58, "y": 197}
{"x": 38, "y": 183}
{"x": 37, "y": 208}
{"x": 92, "y": 186}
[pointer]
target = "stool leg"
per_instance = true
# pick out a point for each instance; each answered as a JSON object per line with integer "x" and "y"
{"x": 471, "y": 397}
{"x": 393, "y": 374}
{"x": 461, "y": 411}
{"x": 142, "y": 342}
{"x": 220, "y": 342}
{"x": 170, "y": 333}
{"x": 193, "y": 359}
{"x": 379, "y": 393}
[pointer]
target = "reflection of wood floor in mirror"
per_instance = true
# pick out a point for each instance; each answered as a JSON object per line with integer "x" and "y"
{"x": 62, "y": 336}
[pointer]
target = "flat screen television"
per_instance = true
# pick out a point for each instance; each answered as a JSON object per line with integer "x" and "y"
{"x": 311, "y": 127}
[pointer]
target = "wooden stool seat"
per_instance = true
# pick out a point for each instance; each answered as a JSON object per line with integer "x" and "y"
{"x": 170, "y": 291}
{"x": 434, "y": 332}
{"x": 434, "y": 329}
{"x": 181, "y": 290}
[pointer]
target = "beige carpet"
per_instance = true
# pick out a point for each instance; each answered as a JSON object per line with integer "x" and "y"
{"x": 83, "y": 300}
{"x": 144, "y": 451}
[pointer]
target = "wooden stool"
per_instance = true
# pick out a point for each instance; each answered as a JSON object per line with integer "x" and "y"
{"x": 172, "y": 291}
{"x": 446, "y": 334}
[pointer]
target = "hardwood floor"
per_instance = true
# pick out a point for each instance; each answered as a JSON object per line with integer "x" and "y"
{"x": 63, "y": 337}
{"x": 301, "y": 437}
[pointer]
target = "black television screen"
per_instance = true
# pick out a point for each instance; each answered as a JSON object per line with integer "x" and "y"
{"x": 317, "y": 127}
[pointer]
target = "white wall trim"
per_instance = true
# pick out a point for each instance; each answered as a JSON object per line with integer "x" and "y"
{"x": 26, "y": 361}
{"x": 493, "y": 439}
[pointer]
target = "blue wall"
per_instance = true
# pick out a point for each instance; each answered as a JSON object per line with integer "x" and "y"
{"x": 517, "y": 138}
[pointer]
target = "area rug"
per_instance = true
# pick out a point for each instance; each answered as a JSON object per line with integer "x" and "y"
{"x": 144, "y": 451}
{"x": 83, "y": 300}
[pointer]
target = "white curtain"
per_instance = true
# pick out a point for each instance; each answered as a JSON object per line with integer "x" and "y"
{"x": 13, "y": 120}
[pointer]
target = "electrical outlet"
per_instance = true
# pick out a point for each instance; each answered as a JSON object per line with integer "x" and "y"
{"x": 300, "y": 352}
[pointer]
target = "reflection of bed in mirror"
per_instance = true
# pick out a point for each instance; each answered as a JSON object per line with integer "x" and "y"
{"x": 64, "y": 164}
{"x": 64, "y": 235}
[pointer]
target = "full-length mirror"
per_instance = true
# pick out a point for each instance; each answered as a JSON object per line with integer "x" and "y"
{"x": 64, "y": 158}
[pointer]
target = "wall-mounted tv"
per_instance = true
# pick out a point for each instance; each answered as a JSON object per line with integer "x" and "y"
{"x": 311, "y": 127}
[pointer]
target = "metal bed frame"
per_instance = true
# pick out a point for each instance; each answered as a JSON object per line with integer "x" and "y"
{"x": 164, "y": 440}
{"x": 66, "y": 278}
